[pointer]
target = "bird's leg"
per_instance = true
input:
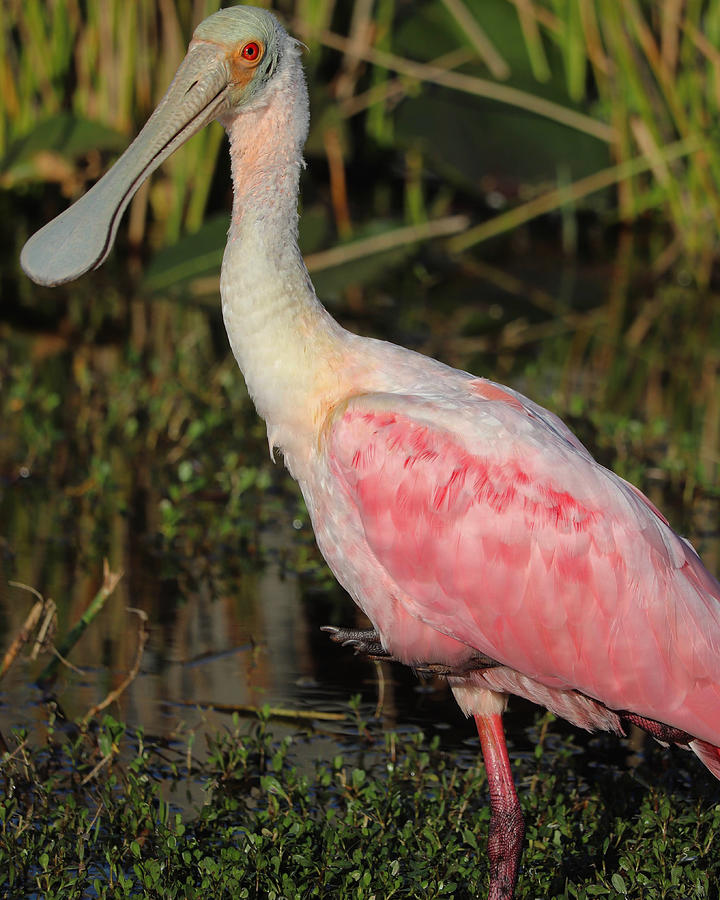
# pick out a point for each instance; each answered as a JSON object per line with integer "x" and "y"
{"x": 368, "y": 641}
{"x": 507, "y": 826}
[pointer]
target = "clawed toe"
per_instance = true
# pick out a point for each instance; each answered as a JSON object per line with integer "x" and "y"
{"x": 367, "y": 642}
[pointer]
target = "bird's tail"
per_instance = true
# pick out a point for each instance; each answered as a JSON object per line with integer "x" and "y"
{"x": 709, "y": 754}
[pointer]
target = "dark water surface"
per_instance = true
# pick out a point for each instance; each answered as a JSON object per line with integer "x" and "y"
{"x": 234, "y": 591}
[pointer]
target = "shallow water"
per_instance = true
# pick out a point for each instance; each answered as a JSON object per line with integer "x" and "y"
{"x": 233, "y": 588}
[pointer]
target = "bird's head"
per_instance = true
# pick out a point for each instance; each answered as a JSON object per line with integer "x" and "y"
{"x": 230, "y": 63}
{"x": 244, "y": 45}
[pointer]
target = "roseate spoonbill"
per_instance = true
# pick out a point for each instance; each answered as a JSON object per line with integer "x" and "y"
{"x": 476, "y": 532}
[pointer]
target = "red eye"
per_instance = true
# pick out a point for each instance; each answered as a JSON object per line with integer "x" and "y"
{"x": 251, "y": 51}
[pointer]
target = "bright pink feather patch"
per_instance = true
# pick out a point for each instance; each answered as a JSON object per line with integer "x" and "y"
{"x": 488, "y": 390}
{"x": 444, "y": 471}
{"x": 525, "y": 549}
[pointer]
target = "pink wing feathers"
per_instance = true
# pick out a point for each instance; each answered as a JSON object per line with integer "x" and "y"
{"x": 501, "y": 531}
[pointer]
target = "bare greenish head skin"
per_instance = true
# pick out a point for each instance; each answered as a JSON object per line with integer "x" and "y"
{"x": 233, "y": 29}
{"x": 231, "y": 60}
{"x": 238, "y": 24}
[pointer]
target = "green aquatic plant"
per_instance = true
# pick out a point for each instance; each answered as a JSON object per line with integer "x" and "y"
{"x": 100, "y": 811}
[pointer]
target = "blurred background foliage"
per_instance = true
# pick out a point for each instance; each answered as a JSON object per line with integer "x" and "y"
{"x": 477, "y": 126}
{"x": 472, "y": 90}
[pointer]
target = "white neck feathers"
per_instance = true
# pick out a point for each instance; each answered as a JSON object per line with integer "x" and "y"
{"x": 287, "y": 345}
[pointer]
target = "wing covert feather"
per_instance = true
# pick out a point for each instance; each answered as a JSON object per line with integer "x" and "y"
{"x": 505, "y": 535}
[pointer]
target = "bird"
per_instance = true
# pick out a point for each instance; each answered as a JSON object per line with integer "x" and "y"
{"x": 476, "y": 532}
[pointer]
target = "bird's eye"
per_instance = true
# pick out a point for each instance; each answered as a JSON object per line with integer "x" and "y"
{"x": 252, "y": 51}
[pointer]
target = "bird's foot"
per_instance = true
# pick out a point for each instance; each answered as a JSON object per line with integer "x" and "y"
{"x": 367, "y": 641}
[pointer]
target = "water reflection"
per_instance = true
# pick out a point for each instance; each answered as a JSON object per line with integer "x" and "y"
{"x": 132, "y": 439}
{"x": 207, "y": 654}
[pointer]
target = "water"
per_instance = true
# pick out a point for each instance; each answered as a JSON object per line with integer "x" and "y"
{"x": 133, "y": 440}
{"x": 210, "y": 655}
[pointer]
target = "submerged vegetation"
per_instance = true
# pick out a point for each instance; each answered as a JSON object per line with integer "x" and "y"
{"x": 529, "y": 190}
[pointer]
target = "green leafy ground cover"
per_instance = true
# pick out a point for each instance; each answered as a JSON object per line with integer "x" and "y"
{"x": 85, "y": 814}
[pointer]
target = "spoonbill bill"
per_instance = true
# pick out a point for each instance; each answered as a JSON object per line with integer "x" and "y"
{"x": 472, "y": 527}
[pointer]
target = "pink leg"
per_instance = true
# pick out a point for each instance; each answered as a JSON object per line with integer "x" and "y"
{"x": 507, "y": 827}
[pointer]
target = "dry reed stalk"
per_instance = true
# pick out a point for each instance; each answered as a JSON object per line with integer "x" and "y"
{"x": 110, "y": 582}
{"x": 23, "y": 636}
{"x": 143, "y": 635}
